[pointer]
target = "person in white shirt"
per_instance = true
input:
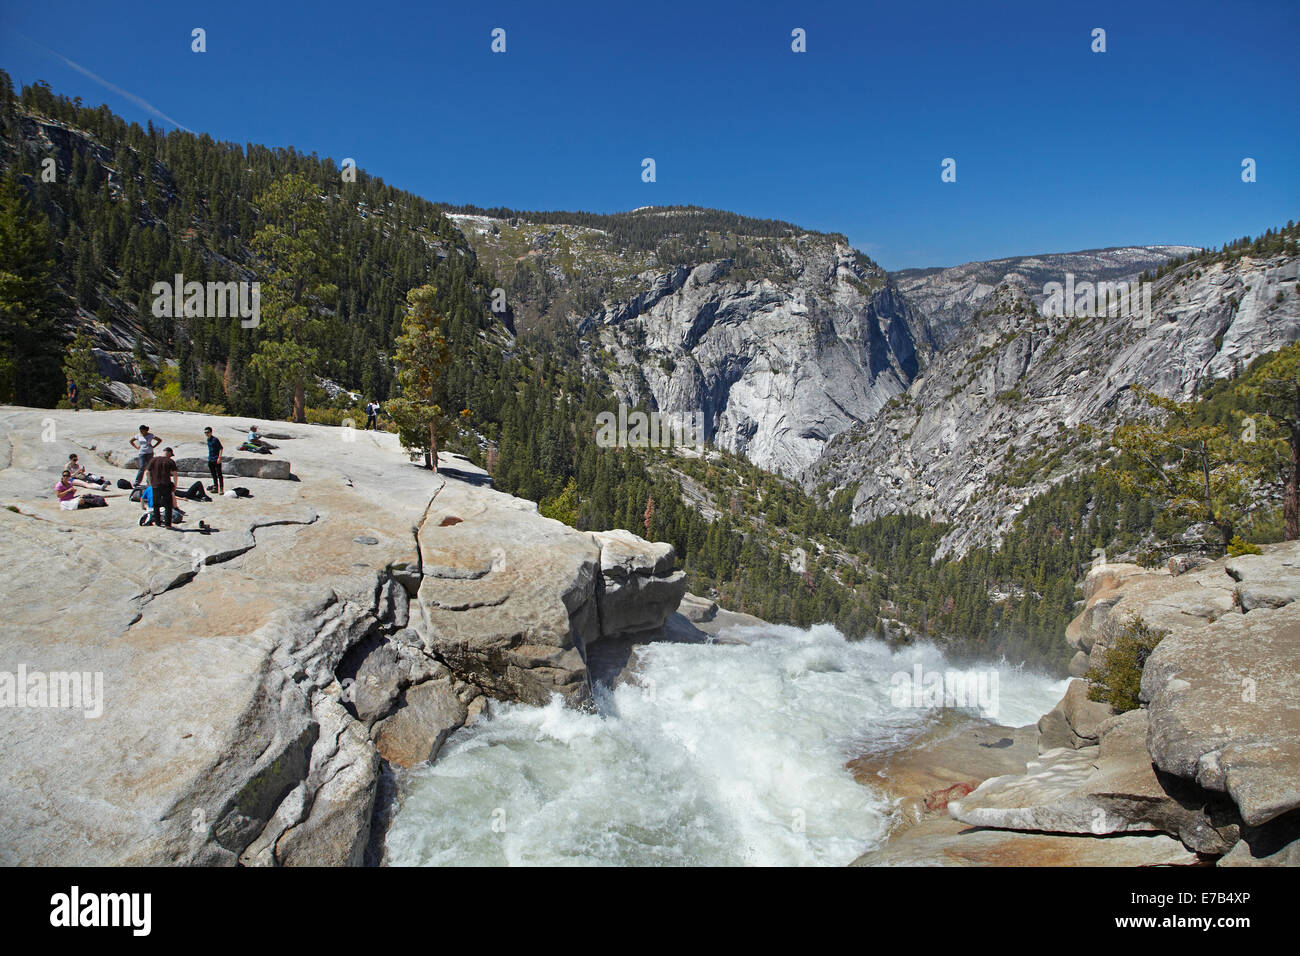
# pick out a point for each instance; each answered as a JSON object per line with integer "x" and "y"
{"x": 144, "y": 443}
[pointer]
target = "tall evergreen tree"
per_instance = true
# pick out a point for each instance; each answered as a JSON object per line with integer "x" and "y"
{"x": 31, "y": 341}
{"x": 421, "y": 358}
{"x": 296, "y": 291}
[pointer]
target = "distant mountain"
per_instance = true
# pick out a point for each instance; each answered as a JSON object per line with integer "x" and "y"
{"x": 948, "y": 297}
{"x": 780, "y": 337}
{"x": 992, "y": 422}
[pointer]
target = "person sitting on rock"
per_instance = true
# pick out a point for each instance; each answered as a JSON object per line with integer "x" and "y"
{"x": 254, "y": 442}
{"x": 70, "y": 499}
{"x": 67, "y": 492}
{"x": 80, "y": 475}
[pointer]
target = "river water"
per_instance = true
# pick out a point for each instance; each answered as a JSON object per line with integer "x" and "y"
{"x": 720, "y": 754}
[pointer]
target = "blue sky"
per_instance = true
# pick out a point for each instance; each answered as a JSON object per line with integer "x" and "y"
{"x": 1057, "y": 148}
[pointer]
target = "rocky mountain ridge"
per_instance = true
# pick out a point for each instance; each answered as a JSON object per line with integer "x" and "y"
{"x": 781, "y": 342}
{"x": 993, "y": 420}
{"x": 949, "y": 297}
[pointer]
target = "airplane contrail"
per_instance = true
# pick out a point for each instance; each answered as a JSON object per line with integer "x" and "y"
{"x": 126, "y": 94}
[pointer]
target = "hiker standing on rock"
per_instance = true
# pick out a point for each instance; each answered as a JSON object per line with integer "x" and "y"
{"x": 372, "y": 415}
{"x": 144, "y": 443}
{"x": 73, "y": 395}
{"x": 218, "y": 485}
{"x": 162, "y": 483}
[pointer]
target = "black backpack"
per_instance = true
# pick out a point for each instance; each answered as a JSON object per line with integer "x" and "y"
{"x": 243, "y": 493}
{"x": 124, "y": 484}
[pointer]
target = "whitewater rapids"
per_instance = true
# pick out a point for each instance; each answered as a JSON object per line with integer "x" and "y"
{"x": 719, "y": 754}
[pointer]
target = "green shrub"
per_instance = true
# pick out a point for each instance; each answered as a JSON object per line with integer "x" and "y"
{"x": 324, "y": 415}
{"x": 562, "y": 507}
{"x": 1238, "y": 546}
{"x": 1119, "y": 678}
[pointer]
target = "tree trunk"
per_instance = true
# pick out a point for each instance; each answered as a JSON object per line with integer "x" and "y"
{"x": 300, "y": 402}
{"x": 1291, "y": 506}
{"x": 433, "y": 446}
{"x": 1228, "y": 530}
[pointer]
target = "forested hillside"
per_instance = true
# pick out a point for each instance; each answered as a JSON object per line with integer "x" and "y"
{"x": 129, "y": 207}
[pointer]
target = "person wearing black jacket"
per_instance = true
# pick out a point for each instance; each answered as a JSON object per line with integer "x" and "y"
{"x": 215, "y": 450}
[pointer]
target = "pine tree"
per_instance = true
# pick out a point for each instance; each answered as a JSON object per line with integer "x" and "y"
{"x": 1200, "y": 471}
{"x": 81, "y": 368}
{"x": 1275, "y": 387}
{"x": 296, "y": 292}
{"x": 422, "y": 356}
{"x": 31, "y": 342}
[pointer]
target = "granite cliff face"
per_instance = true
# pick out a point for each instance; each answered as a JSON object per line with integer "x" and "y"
{"x": 778, "y": 366}
{"x": 780, "y": 342}
{"x": 992, "y": 420}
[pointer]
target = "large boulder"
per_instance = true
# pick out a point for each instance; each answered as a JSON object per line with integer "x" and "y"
{"x": 1074, "y": 722}
{"x": 639, "y": 588}
{"x": 514, "y": 602}
{"x": 1225, "y": 709}
{"x": 1107, "y": 789}
{"x": 1102, "y": 590}
{"x": 246, "y": 467}
{"x": 426, "y": 715}
{"x": 697, "y": 610}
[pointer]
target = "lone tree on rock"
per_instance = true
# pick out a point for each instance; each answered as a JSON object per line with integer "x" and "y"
{"x": 421, "y": 356}
{"x": 1201, "y": 471}
{"x": 295, "y": 293}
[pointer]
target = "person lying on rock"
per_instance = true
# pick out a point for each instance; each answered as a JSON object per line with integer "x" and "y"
{"x": 162, "y": 481}
{"x": 81, "y": 476}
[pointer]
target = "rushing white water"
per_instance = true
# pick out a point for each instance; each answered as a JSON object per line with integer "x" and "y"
{"x": 722, "y": 755}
